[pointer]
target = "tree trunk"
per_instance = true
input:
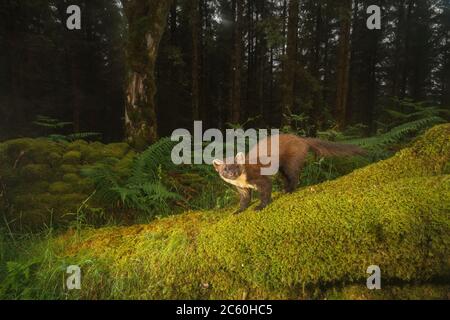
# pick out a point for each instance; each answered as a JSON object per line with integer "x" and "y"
{"x": 399, "y": 43}
{"x": 284, "y": 17}
{"x": 146, "y": 24}
{"x": 236, "y": 64}
{"x": 445, "y": 72}
{"x": 326, "y": 54}
{"x": 251, "y": 59}
{"x": 195, "y": 31}
{"x": 372, "y": 84}
{"x": 290, "y": 62}
{"x": 354, "y": 87}
{"x": 262, "y": 61}
{"x": 317, "y": 102}
{"x": 11, "y": 42}
{"x": 343, "y": 64}
{"x": 206, "y": 100}
{"x": 406, "y": 62}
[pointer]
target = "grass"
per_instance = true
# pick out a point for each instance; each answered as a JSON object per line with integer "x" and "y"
{"x": 314, "y": 243}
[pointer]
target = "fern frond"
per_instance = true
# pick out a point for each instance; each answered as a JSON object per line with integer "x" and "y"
{"x": 157, "y": 157}
{"x": 83, "y": 135}
{"x": 106, "y": 182}
{"x": 57, "y": 137}
{"x": 398, "y": 133}
{"x": 159, "y": 192}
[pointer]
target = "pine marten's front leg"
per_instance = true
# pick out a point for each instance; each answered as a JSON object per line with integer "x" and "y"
{"x": 246, "y": 197}
{"x": 264, "y": 186}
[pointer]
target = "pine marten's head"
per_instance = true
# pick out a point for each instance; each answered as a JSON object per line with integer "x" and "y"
{"x": 230, "y": 171}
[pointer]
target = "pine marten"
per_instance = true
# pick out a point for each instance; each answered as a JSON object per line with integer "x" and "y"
{"x": 292, "y": 155}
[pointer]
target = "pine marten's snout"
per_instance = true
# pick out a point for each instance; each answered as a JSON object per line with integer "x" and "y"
{"x": 227, "y": 171}
{"x": 230, "y": 171}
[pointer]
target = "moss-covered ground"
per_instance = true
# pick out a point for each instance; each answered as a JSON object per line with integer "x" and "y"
{"x": 41, "y": 181}
{"x": 314, "y": 243}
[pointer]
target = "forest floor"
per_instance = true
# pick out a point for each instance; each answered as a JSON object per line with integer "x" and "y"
{"x": 316, "y": 243}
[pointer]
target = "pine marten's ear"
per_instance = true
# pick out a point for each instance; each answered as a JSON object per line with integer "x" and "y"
{"x": 217, "y": 164}
{"x": 240, "y": 158}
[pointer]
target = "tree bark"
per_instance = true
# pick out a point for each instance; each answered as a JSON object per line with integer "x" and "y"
{"x": 399, "y": 43}
{"x": 146, "y": 23}
{"x": 206, "y": 99}
{"x": 262, "y": 61}
{"x": 236, "y": 64}
{"x": 406, "y": 59}
{"x": 343, "y": 64}
{"x": 317, "y": 102}
{"x": 290, "y": 62}
{"x": 195, "y": 32}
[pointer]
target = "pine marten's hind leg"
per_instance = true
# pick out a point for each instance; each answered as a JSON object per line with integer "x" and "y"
{"x": 291, "y": 173}
{"x": 286, "y": 180}
{"x": 290, "y": 178}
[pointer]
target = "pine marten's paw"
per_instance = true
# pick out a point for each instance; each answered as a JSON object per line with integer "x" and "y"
{"x": 260, "y": 207}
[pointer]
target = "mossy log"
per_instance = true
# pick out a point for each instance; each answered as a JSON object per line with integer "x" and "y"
{"x": 40, "y": 179}
{"x": 314, "y": 243}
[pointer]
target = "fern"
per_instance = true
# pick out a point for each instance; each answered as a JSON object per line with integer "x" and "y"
{"x": 419, "y": 112}
{"x": 405, "y": 119}
{"x": 106, "y": 182}
{"x": 50, "y": 123}
{"x": 397, "y": 134}
{"x": 57, "y": 137}
{"x": 142, "y": 189}
{"x": 156, "y": 158}
{"x": 55, "y": 125}
{"x": 82, "y": 135}
{"x": 158, "y": 195}
{"x": 149, "y": 197}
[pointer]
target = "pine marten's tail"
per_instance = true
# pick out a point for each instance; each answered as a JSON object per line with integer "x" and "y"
{"x": 330, "y": 149}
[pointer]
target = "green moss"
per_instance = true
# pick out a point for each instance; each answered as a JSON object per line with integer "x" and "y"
{"x": 14, "y": 148}
{"x": 71, "y": 178}
{"x": 39, "y": 186}
{"x": 72, "y": 157}
{"x": 32, "y": 172}
{"x": 42, "y": 176}
{"x": 54, "y": 159}
{"x": 77, "y": 145}
{"x": 71, "y": 200}
{"x": 68, "y": 168}
{"x": 59, "y": 187}
{"x": 116, "y": 150}
{"x": 122, "y": 167}
{"x": 96, "y": 151}
{"x": 26, "y": 150}
{"x": 325, "y": 238}
{"x": 314, "y": 243}
{"x": 92, "y": 152}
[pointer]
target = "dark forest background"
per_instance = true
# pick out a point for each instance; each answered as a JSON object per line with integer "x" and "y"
{"x": 302, "y": 64}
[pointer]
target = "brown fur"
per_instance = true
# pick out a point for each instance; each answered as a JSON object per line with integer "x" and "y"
{"x": 293, "y": 151}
